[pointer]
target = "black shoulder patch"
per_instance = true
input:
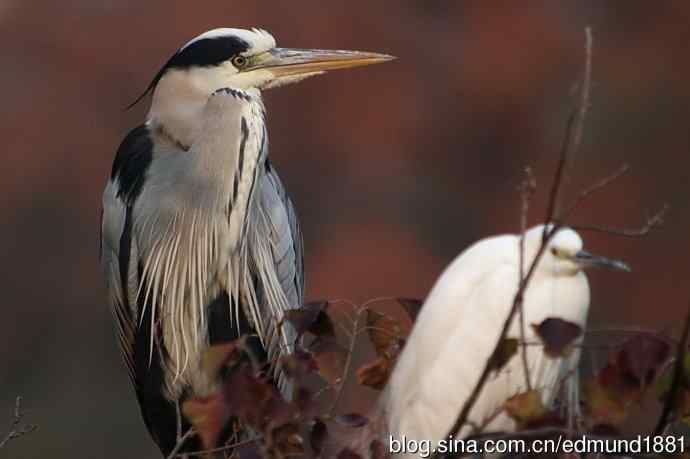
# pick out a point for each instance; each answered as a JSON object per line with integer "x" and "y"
{"x": 205, "y": 52}
{"x": 131, "y": 163}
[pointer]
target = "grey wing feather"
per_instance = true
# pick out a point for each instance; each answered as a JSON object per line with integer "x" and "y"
{"x": 112, "y": 227}
{"x": 277, "y": 260}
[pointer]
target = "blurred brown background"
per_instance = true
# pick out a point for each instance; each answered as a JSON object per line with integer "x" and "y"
{"x": 394, "y": 168}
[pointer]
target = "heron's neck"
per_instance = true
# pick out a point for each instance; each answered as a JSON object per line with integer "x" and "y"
{"x": 177, "y": 107}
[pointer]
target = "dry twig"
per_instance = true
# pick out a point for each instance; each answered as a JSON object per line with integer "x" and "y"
{"x": 17, "y": 429}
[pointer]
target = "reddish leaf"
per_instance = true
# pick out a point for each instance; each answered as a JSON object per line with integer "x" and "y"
{"x": 503, "y": 353}
{"x": 558, "y": 335}
{"x": 208, "y": 415}
{"x": 386, "y": 333}
{"x": 255, "y": 401}
{"x": 619, "y": 383}
{"x": 351, "y": 420}
{"x": 285, "y": 441}
{"x": 318, "y": 436}
{"x": 312, "y": 318}
{"x": 330, "y": 359}
{"x": 412, "y": 306}
{"x": 601, "y": 406}
{"x": 642, "y": 355}
{"x": 298, "y": 364}
{"x": 347, "y": 453}
{"x": 221, "y": 355}
{"x": 375, "y": 374}
{"x": 526, "y": 407}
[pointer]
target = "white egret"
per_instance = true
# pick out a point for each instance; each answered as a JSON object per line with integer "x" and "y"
{"x": 461, "y": 321}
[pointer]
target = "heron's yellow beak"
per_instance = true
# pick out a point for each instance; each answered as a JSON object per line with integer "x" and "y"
{"x": 290, "y": 62}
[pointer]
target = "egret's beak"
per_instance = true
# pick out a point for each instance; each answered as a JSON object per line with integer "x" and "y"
{"x": 586, "y": 259}
{"x": 290, "y": 62}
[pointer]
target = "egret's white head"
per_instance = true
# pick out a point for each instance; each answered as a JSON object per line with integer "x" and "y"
{"x": 564, "y": 254}
{"x": 240, "y": 59}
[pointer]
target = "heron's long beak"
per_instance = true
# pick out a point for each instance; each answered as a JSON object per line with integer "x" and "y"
{"x": 587, "y": 259}
{"x": 284, "y": 62}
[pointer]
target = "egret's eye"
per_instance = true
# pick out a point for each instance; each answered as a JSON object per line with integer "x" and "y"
{"x": 239, "y": 61}
{"x": 555, "y": 252}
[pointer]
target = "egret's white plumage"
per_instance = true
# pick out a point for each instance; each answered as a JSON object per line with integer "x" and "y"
{"x": 459, "y": 326}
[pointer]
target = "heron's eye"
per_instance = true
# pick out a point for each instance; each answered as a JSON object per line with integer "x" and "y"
{"x": 239, "y": 61}
{"x": 555, "y": 252}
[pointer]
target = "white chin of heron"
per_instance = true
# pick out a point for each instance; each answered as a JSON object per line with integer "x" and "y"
{"x": 282, "y": 81}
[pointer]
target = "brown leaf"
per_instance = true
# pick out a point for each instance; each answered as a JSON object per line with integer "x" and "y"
{"x": 312, "y": 318}
{"x": 619, "y": 383}
{"x": 351, "y": 420}
{"x": 558, "y": 335}
{"x": 347, "y": 453}
{"x": 601, "y": 407}
{"x": 642, "y": 355}
{"x": 285, "y": 441}
{"x": 218, "y": 356}
{"x": 526, "y": 407}
{"x": 318, "y": 436}
{"x": 386, "y": 333}
{"x": 255, "y": 401}
{"x": 298, "y": 364}
{"x": 208, "y": 415}
{"x": 503, "y": 353}
{"x": 375, "y": 374}
{"x": 412, "y": 306}
{"x": 330, "y": 359}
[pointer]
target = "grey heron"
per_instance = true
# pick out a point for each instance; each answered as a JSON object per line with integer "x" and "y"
{"x": 200, "y": 241}
{"x": 460, "y": 323}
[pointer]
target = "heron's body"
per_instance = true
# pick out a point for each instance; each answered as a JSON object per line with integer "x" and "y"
{"x": 200, "y": 242}
{"x": 459, "y": 326}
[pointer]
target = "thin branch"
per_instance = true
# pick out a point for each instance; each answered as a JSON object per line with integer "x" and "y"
{"x": 652, "y": 222}
{"x": 180, "y": 443}
{"x": 348, "y": 360}
{"x": 678, "y": 370}
{"x": 596, "y": 186}
{"x": 527, "y": 188}
{"x": 574, "y": 130}
{"x": 16, "y": 429}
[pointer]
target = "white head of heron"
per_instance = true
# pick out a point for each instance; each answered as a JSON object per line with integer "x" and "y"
{"x": 246, "y": 60}
{"x": 564, "y": 254}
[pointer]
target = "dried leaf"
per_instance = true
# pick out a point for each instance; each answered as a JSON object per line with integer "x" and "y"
{"x": 218, "y": 356}
{"x": 347, "y": 453}
{"x": 353, "y": 420}
{"x": 558, "y": 335}
{"x": 298, "y": 364}
{"x": 312, "y": 318}
{"x": 602, "y": 408}
{"x": 386, "y": 333}
{"x": 412, "y": 306}
{"x": 285, "y": 441}
{"x": 503, "y": 353}
{"x": 208, "y": 415}
{"x": 526, "y": 407}
{"x": 375, "y": 374}
{"x": 318, "y": 436}
{"x": 619, "y": 383}
{"x": 255, "y": 401}
{"x": 642, "y": 355}
{"x": 330, "y": 359}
